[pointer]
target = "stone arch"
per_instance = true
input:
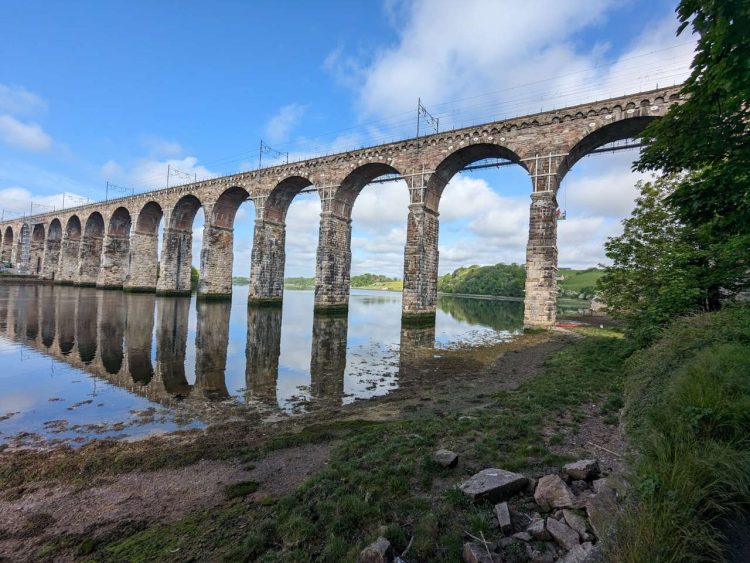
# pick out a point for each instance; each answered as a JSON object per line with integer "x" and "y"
{"x": 116, "y": 250}
{"x": 69, "y": 249}
{"x": 269, "y": 254}
{"x": 457, "y": 161}
{"x": 621, "y": 129}
{"x": 334, "y": 257}
{"x": 51, "y": 260}
{"x": 143, "y": 256}
{"x": 278, "y": 201}
{"x": 353, "y": 184}
{"x": 7, "y": 251}
{"x": 421, "y": 254}
{"x": 226, "y": 206}
{"x": 36, "y": 250}
{"x": 177, "y": 248}
{"x": 217, "y": 252}
{"x": 90, "y": 253}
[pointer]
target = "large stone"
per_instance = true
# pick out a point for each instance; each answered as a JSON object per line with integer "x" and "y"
{"x": 584, "y": 553}
{"x": 602, "y": 510}
{"x": 493, "y": 484}
{"x": 563, "y": 534}
{"x": 446, "y": 458}
{"x": 479, "y": 553}
{"x": 578, "y": 523}
{"x": 538, "y": 531}
{"x": 380, "y": 551}
{"x": 584, "y": 469}
{"x": 502, "y": 512}
{"x": 552, "y": 492}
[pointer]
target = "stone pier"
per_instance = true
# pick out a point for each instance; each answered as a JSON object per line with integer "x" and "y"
{"x": 115, "y": 259}
{"x": 176, "y": 261}
{"x": 541, "y": 262}
{"x": 69, "y": 248}
{"x": 142, "y": 262}
{"x": 333, "y": 264}
{"x": 267, "y": 263}
{"x": 216, "y": 263}
{"x": 420, "y": 265}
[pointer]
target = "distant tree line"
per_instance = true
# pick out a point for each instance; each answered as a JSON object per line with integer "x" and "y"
{"x": 501, "y": 279}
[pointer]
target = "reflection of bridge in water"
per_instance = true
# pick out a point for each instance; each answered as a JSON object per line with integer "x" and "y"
{"x": 139, "y": 342}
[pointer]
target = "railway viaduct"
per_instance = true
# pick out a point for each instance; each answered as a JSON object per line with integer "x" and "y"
{"x": 113, "y": 244}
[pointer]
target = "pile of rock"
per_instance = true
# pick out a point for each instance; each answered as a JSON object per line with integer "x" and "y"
{"x": 557, "y": 518}
{"x": 573, "y": 511}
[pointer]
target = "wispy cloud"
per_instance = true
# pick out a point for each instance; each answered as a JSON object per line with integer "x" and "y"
{"x": 281, "y": 124}
{"x": 28, "y": 136}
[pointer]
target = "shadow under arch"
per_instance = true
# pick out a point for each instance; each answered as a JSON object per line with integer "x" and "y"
{"x": 217, "y": 252}
{"x": 143, "y": 249}
{"x": 177, "y": 250}
{"x": 90, "y": 253}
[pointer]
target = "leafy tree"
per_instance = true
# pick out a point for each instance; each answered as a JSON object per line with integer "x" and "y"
{"x": 501, "y": 279}
{"x": 663, "y": 268}
{"x": 708, "y": 134}
{"x": 194, "y": 277}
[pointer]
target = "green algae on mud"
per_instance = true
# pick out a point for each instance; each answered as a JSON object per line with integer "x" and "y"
{"x": 381, "y": 480}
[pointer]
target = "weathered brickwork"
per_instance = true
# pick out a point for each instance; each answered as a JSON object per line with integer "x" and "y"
{"x": 546, "y": 145}
{"x": 333, "y": 263}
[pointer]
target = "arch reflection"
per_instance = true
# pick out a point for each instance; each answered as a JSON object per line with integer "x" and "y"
{"x": 111, "y": 331}
{"x": 86, "y": 317}
{"x": 171, "y": 344}
{"x": 47, "y": 311}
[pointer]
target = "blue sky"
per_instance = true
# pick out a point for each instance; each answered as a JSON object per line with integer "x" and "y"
{"x": 98, "y": 91}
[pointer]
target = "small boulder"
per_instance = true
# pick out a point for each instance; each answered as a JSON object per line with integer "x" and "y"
{"x": 380, "y": 551}
{"x": 523, "y": 536}
{"x": 493, "y": 484}
{"x": 578, "y": 523}
{"x": 564, "y": 535}
{"x": 538, "y": 531}
{"x": 479, "y": 553}
{"x": 502, "y": 512}
{"x": 602, "y": 510}
{"x": 584, "y": 553}
{"x": 446, "y": 458}
{"x": 583, "y": 470}
{"x": 552, "y": 492}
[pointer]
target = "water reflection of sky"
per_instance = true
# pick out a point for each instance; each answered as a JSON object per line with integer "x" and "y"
{"x": 187, "y": 352}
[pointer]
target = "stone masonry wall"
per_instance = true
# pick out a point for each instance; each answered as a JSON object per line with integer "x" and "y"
{"x": 267, "y": 263}
{"x": 114, "y": 266}
{"x": 89, "y": 260}
{"x": 142, "y": 262}
{"x": 176, "y": 260}
{"x": 51, "y": 259}
{"x": 216, "y": 263}
{"x": 541, "y": 262}
{"x": 333, "y": 263}
{"x": 420, "y": 263}
{"x": 68, "y": 260}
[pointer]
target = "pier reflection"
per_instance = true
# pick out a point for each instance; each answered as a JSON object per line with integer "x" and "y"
{"x": 169, "y": 349}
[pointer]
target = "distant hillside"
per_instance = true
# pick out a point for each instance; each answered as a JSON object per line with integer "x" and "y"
{"x": 575, "y": 283}
{"x": 506, "y": 280}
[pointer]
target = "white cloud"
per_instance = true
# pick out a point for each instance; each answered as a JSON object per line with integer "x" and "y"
{"x": 18, "y": 100}
{"x": 25, "y": 135}
{"x": 111, "y": 170}
{"x": 161, "y": 148}
{"x": 15, "y": 200}
{"x": 281, "y": 124}
{"x": 152, "y": 173}
{"x": 479, "y": 60}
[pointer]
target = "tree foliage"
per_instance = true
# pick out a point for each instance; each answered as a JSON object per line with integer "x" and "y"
{"x": 662, "y": 268}
{"x": 501, "y": 279}
{"x": 708, "y": 134}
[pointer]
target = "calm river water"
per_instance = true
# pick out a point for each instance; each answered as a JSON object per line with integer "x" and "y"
{"x": 77, "y": 363}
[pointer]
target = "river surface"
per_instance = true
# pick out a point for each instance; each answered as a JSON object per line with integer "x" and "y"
{"x": 78, "y": 363}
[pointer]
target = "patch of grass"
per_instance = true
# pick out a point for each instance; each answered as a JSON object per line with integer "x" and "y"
{"x": 241, "y": 489}
{"x": 380, "y": 477}
{"x": 688, "y": 405}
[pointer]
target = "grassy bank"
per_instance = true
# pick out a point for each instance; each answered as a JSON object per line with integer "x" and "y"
{"x": 688, "y": 413}
{"x": 380, "y": 477}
